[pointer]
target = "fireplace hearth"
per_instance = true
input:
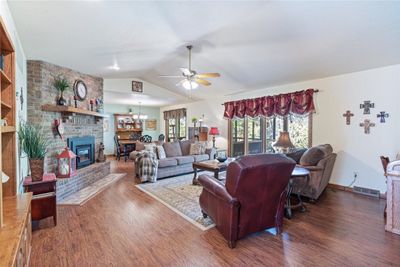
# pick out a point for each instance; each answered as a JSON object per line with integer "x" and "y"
{"x": 84, "y": 149}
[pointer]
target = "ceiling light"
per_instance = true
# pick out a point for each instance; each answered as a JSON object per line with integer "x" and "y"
{"x": 139, "y": 116}
{"x": 188, "y": 85}
{"x": 114, "y": 67}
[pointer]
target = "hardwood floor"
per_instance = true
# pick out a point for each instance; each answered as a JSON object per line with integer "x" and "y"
{"x": 123, "y": 226}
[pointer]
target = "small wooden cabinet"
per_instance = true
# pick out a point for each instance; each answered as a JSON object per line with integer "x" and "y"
{"x": 44, "y": 200}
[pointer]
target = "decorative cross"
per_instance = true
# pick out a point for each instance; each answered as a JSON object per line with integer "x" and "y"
{"x": 367, "y": 124}
{"x": 382, "y": 115}
{"x": 348, "y": 115}
{"x": 366, "y": 106}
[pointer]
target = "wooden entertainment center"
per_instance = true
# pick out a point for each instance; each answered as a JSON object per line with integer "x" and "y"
{"x": 15, "y": 210}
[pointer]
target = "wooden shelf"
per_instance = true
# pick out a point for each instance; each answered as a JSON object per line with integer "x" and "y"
{"x": 72, "y": 110}
{"x": 8, "y": 129}
{"x": 4, "y": 105}
{"x": 4, "y": 78}
{"x": 129, "y": 130}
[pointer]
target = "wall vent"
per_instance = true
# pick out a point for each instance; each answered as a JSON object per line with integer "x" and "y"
{"x": 366, "y": 191}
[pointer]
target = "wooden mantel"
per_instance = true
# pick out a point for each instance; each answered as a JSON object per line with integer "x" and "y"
{"x": 72, "y": 110}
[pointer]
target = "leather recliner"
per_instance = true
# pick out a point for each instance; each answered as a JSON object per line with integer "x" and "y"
{"x": 253, "y": 198}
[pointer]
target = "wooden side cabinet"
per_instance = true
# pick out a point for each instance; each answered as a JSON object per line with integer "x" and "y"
{"x": 44, "y": 203}
{"x": 16, "y": 235}
{"x": 393, "y": 198}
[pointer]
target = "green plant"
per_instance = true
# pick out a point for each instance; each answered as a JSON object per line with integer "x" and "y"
{"x": 194, "y": 120}
{"x": 32, "y": 141}
{"x": 61, "y": 83}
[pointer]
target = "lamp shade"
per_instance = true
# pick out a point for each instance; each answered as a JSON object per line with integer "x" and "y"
{"x": 284, "y": 141}
{"x": 214, "y": 131}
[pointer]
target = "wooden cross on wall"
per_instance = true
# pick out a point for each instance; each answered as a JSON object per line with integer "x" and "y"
{"x": 367, "y": 124}
{"x": 382, "y": 115}
{"x": 367, "y": 106}
{"x": 348, "y": 115}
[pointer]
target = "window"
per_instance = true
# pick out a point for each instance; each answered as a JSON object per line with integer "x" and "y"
{"x": 261, "y": 133}
{"x": 237, "y": 137}
{"x": 176, "y": 131}
{"x": 175, "y": 124}
{"x": 171, "y": 129}
{"x": 182, "y": 128}
{"x": 298, "y": 129}
{"x": 273, "y": 127}
{"x": 254, "y": 140}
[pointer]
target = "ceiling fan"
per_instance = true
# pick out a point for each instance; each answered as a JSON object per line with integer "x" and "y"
{"x": 192, "y": 79}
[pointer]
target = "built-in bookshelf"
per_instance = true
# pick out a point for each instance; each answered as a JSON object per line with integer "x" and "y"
{"x": 7, "y": 114}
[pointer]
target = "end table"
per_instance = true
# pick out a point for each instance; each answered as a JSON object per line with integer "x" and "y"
{"x": 44, "y": 202}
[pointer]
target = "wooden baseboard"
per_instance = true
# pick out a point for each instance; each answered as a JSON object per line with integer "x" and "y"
{"x": 350, "y": 189}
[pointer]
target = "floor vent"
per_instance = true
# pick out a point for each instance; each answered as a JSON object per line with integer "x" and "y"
{"x": 366, "y": 191}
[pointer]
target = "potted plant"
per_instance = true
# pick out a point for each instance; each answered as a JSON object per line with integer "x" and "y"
{"x": 61, "y": 84}
{"x": 34, "y": 144}
{"x": 194, "y": 121}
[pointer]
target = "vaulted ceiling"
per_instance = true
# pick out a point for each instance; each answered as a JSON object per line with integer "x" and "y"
{"x": 252, "y": 44}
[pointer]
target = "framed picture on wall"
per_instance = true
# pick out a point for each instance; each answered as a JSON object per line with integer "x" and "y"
{"x": 151, "y": 125}
{"x": 137, "y": 86}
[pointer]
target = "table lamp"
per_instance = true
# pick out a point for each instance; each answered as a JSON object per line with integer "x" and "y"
{"x": 214, "y": 131}
{"x": 284, "y": 142}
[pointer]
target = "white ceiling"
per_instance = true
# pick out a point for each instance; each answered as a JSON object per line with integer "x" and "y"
{"x": 252, "y": 44}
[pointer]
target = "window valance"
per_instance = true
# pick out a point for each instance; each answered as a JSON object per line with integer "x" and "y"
{"x": 297, "y": 103}
{"x": 175, "y": 114}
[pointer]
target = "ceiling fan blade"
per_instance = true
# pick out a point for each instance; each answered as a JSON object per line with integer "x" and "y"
{"x": 180, "y": 82}
{"x": 170, "y": 76}
{"x": 208, "y": 75}
{"x": 203, "y": 82}
{"x": 186, "y": 71}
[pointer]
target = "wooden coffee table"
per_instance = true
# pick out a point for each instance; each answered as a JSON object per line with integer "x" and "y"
{"x": 210, "y": 165}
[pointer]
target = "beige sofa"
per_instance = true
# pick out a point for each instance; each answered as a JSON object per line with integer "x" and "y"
{"x": 178, "y": 159}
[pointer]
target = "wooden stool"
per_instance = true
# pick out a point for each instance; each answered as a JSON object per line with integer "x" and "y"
{"x": 44, "y": 203}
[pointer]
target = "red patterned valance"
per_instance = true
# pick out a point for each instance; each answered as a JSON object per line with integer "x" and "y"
{"x": 297, "y": 103}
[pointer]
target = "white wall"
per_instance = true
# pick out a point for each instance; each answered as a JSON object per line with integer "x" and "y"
{"x": 357, "y": 152}
{"x": 20, "y": 82}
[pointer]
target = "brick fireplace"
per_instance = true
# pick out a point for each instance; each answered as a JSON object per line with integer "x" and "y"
{"x": 79, "y": 127}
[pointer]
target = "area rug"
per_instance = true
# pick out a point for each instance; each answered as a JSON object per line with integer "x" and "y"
{"x": 81, "y": 197}
{"x": 178, "y": 194}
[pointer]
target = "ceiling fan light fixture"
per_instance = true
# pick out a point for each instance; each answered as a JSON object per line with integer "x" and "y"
{"x": 188, "y": 85}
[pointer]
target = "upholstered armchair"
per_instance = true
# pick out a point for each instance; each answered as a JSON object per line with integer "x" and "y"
{"x": 253, "y": 198}
{"x": 319, "y": 160}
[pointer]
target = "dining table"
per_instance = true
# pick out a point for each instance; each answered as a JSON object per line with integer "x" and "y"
{"x": 126, "y": 143}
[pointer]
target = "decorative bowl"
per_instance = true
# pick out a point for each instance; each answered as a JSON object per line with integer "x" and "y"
{"x": 222, "y": 159}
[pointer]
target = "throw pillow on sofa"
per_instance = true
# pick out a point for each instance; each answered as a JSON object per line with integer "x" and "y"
{"x": 151, "y": 148}
{"x": 185, "y": 147}
{"x": 172, "y": 149}
{"x": 139, "y": 146}
{"x": 196, "y": 149}
{"x": 312, "y": 156}
{"x": 296, "y": 154}
{"x": 161, "y": 152}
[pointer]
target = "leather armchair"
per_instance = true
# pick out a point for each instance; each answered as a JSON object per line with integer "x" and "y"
{"x": 255, "y": 188}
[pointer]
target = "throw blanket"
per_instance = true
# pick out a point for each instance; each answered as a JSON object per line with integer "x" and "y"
{"x": 146, "y": 166}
